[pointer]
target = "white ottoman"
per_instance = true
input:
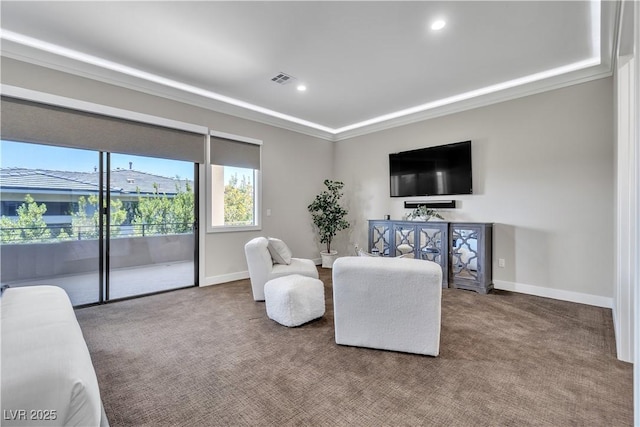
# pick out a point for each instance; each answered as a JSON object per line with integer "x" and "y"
{"x": 388, "y": 303}
{"x": 294, "y": 300}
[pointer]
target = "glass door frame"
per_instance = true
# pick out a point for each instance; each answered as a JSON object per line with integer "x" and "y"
{"x": 105, "y": 232}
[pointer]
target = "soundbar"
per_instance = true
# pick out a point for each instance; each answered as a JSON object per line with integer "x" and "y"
{"x": 434, "y": 204}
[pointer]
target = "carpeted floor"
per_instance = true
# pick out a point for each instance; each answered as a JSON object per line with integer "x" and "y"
{"x": 211, "y": 357}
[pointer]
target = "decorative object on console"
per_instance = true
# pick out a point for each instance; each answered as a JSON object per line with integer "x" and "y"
{"x": 423, "y": 213}
{"x": 329, "y": 218}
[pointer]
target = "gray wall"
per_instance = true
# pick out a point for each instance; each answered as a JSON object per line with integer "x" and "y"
{"x": 542, "y": 172}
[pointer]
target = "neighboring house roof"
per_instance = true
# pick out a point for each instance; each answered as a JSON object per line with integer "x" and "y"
{"x": 123, "y": 181}
{"x": 29, "y": 179}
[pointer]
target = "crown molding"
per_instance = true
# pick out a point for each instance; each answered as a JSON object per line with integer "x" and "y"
{"x": 100, "y": 70}
{"x": 37, "y": 57}
{"x": 581, "y": 76}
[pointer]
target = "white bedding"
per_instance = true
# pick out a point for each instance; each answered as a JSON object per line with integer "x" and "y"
{"x": 47, "y": 374}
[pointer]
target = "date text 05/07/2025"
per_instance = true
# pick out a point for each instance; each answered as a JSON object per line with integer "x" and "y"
{"x": 29, "y": 414}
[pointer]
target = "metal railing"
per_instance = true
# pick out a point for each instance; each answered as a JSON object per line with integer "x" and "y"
{"x": 64, "y": 233}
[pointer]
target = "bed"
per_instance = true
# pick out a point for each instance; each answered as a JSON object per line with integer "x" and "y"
{"x": 47, "y": 374}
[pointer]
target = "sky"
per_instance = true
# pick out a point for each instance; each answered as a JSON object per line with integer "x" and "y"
{"x": 36, "y": 156}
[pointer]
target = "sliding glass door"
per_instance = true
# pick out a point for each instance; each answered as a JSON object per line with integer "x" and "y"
{"x": 49, "y": 224}
{"x": 151, "y": 231}
{"x": 52, "y": 230}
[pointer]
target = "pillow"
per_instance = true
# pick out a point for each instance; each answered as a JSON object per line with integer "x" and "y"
{"x": 280, "y": 252}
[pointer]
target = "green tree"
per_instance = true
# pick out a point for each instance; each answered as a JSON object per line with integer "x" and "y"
{"x": 63, "y": 235}
{"x": 183, "y": 209}
{"x": 238, "y": 201}
{"x": 160, "y": 214}
{"x": 9, "y": 233}
{"x": 28, "y": 227}
{"x": 152, "y": 214}
{"x": 86, "y": 226}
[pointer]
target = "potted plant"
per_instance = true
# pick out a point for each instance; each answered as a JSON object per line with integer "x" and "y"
{"x": 329, "y": 218}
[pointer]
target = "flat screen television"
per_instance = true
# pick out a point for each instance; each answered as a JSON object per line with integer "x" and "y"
{"x": 432, "y": 171}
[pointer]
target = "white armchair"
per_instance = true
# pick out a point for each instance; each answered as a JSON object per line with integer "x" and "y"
{"x": 262, "y": 268}
{"x": 388, "y": 303}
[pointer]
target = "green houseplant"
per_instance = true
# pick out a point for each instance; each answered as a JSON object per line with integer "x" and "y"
{"x": 328, "y": 217}
{"x": 424, "y": 213}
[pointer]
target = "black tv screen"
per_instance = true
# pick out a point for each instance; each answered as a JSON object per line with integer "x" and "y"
{"x": 432, "y": 171}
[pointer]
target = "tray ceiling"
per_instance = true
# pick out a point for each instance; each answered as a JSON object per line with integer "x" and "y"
{"x": 365, "y": 65}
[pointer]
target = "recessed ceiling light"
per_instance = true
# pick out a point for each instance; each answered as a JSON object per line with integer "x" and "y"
{"x": 438, "y": 25}
{"x": 301, "y": 88}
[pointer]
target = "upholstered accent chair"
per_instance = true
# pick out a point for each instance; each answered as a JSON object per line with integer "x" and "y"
{"x": 269, "y": 258}
{"x": 388, "y": 303}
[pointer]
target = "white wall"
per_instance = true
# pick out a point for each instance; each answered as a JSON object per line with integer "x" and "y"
{"x": 542, "y": 172}
{"x": 293, "y": 165}
{"x": 626, "y": 254}
{"x": 626, "y": 295}
{"x": 635, "y": 293}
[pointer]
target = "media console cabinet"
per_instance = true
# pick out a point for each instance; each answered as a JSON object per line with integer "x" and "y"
{"x": 463, "y": 249}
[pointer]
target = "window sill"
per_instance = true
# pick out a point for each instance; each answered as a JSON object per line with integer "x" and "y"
{"x": 231, "y": 229}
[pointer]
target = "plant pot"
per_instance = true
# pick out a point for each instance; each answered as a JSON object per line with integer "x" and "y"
{"x": 328, "y": 258}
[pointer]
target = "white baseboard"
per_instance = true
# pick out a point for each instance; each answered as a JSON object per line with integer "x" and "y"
{"x": 224, "y": 278}
{"x": 558, "y": 294}
{"x": 522, "y": 288}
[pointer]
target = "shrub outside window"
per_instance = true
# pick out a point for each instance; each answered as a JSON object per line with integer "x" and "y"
{"x": 234, "y": 183}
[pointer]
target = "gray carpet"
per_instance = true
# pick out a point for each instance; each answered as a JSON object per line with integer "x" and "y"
{"x": 210, "y": 356}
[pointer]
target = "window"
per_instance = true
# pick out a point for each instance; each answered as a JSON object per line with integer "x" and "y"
{"x": 9, "y": 207}
{"x": 98, "y": 153}
{"x": 233, "y": 177}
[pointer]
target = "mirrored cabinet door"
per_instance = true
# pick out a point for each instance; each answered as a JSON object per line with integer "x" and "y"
{"x": 404, "y": 239}
{"x": 430, "y": 244}
{"x": 433, "y": 246}
{"x": 379, "y": 238}
{"x": 463, "y": 250}
{"x": 464, "y": 253}
{"x": 470, "y": 264}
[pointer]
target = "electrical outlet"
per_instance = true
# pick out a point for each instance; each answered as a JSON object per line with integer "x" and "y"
{"x": 501, "y": 262}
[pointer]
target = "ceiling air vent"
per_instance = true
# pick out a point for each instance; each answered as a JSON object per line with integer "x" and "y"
{"x": 283, "y": 79}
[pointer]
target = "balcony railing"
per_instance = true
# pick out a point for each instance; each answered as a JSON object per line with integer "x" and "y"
{"x": 61, "y": 233}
